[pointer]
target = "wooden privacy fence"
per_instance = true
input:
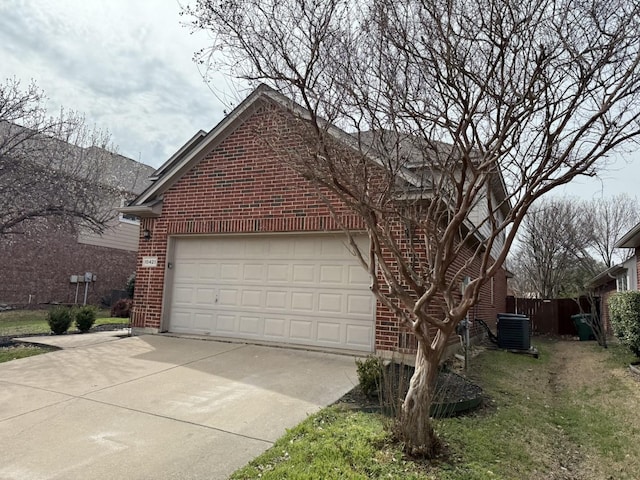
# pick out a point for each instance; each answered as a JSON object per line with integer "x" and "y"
{"x": 549, "y": 316}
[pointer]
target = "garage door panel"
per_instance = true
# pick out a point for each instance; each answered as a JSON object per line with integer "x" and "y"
{"x": 183, "y": 295}
{"x": 332, "y": 274}
{"x": 185, "y": 271}
{"x": 303, "y": 274}
{"x": 301, "y": 330}
{"x": 330, "y": 248}
{"x": 205, "y": 296}
{"x": 278, "y": 248}
{"x": 250, "y": 325}
{"x": 329, "y": 332}
{"x": 276, "y": 299}
{"x": 202, "y": 321}
{"x": 181, "y": 319}
{"x": 358, "y": 276}
{"x": 227, "y": 248}
{"x": 304, "y": 248}
{"x": 329, "y": 303}
{"x": 230, "y": 271}
{"x": 253, "y": 272}
{"x": 225, "y": 324}
{"x": 227, "y": 297}
{"x": 251, "y": 298}
{"x": 307, "y": 290}
{"x": 278, "y": 273}
{"x": 275, "y": 328}
{"x": 359, "y": 335}
{"x": 359, "y": 305}
{"x": 188, "y": 250}
{"x": 208, "y": 272}
{"x": 302, "y": 301}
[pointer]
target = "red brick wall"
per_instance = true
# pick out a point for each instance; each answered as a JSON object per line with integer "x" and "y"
{"x": 638, "y": 266}
{"x": 605, "y": 292}
{"x": 39, "y": 264}
{"x": 243, "y": 187}
{"x": 391, "y": 336}
{"x": 240, "y": 187}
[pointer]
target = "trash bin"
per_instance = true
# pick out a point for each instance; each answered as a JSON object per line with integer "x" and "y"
{"x": 582, "y": 321}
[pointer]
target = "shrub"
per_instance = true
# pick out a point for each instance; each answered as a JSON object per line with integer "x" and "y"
{"x": 59, "y": 320}
{"x": 369, "y": 374}
{"x": 131, "y": 285}
{"x": 85, "y": 318}
{"x": 121, "y": 308}
{"x": 625, "y": 319}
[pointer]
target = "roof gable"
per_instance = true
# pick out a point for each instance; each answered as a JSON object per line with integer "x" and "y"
{"x": 197, "y": 147}
{"x": 631, "y": 239}
{"x": 202, "y": 143}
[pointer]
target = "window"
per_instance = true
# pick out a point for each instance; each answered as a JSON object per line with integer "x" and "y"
{"x": 622, "y": 282}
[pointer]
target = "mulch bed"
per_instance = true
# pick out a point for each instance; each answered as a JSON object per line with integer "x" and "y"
{"x": 454, "y": 395}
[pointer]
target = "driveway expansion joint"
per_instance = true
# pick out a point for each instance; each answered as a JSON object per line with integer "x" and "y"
{"x": 186, "y": 422}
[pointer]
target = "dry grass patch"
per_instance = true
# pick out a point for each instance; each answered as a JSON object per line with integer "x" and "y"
{"x": 572, "y": 414}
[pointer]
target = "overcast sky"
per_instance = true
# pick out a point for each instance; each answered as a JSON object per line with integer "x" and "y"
{"x": 127, "y": 65}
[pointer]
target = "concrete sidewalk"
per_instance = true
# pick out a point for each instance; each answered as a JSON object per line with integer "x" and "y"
{"x": 157, "y": 407}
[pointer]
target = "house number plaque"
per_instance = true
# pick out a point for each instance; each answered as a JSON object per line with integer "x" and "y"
{"x": 149, "y": 261}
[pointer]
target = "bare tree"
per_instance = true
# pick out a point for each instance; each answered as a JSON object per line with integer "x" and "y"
{"x": 610, "y": 218}
{"x": 50, "y": 167}
{"x": 553, "y": 258}
{"x": 565, "y": 242}
{"x": 448, "y": 103}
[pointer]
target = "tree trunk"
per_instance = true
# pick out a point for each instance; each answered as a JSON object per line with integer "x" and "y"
{"x": 415, "y": 428}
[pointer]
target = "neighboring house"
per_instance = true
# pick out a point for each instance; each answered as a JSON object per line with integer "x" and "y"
{"x": 47, "y": 261}
{"x": 618, "y": 278}
{"x": 632, "y": 240}
{"x": 240, "y": 246}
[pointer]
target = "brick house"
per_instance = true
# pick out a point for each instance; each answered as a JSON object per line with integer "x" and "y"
{"x": 631, "y": 240}
{"x": 619, "y": 278}
{"x": 39, "y": 265}
{"x": 238, "y": 245}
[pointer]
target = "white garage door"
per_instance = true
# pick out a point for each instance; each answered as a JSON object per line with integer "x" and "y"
{"x": 306, "y": 290}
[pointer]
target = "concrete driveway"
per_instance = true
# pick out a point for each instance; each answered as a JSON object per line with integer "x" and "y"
{"x": 157, "y": 407}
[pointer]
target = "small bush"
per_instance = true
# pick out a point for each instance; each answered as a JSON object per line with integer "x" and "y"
{"x": 59, "y": 320}
{"x": 131, "y": 285}
{"x": 121, "y": 308}
{"x": 369, "y": 374}
{"x": 85, "y": 318}
{"x": 625, "y": 319}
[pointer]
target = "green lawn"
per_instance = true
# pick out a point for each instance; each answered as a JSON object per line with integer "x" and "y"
{"x": 24, "y": 322}
{"x": 14, "y": 353}
{"x": 336, "y": 443}
{"x": 572, "y": 413}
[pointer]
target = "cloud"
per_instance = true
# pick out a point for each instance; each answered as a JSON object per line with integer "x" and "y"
{"x": 126, "y": 65}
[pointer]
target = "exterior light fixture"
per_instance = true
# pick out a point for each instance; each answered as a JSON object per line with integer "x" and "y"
{"x": 146, "y": 234}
